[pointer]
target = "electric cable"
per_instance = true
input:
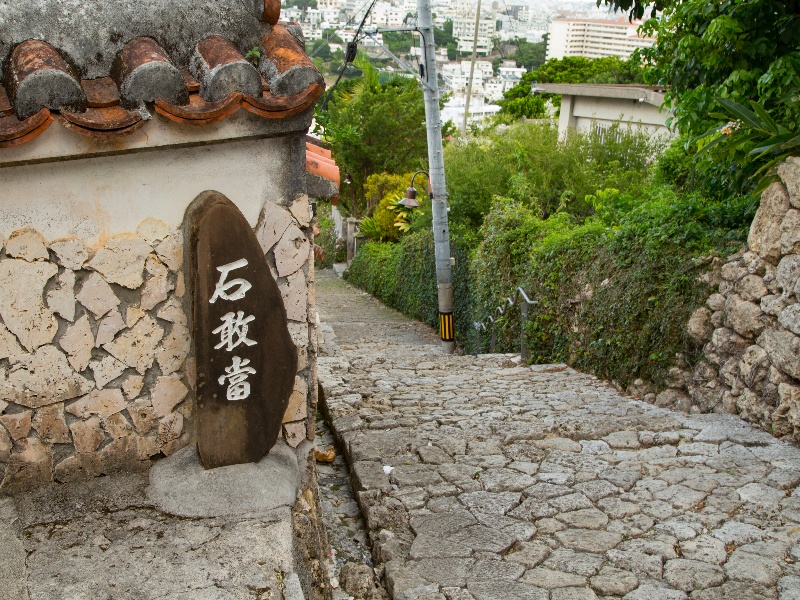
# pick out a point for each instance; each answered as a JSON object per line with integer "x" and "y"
{"x": 352, "y": 48}
{"x": 348, "y": 22}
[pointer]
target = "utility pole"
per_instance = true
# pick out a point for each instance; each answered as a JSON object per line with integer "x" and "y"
{"x": 441, "y": 231}
{"x": 472, "y": 67}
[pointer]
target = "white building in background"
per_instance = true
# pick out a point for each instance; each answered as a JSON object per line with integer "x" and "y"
{"x": 456, "y": 74}
{"x": 594, "y": 38}
{"x": 311, "y": 31}
{"x": 464, "y": 33}
{"x": 485, "y": 84}
{"x": 388, "y": 14}
{"x": 587, "y": 107}
{"x": 478, "y": 111}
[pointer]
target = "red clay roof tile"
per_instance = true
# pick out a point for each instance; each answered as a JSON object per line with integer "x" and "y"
{"x": 200, "y": 112}
{"x": 101, "y": 134}
{"x": 190, "y": 82}
{"x": 285, "y": 65}
{"x": 37, "y": 76}
{"x": 100, "y": 93}
{"x": 5, "y": 104}
{"x": 12, "y": 127}
{"x": 142, "y": 72}
{"x": 104, "y": 119}
{"x": 14, "y": 132}
{"x": 221, "y": 69}
{"x": 272, "y": 11}
{"x": 269, "y": 103}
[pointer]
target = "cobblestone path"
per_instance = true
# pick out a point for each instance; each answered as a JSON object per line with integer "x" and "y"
{"x": 481, "y": 478}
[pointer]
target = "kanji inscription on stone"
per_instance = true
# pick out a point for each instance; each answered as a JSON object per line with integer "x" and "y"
{"x": 246, "y": 360}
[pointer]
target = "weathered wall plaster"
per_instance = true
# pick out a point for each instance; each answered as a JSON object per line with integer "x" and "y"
{"x": 94, "y": 198}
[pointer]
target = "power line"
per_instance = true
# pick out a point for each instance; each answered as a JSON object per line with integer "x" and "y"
{"x": 346, "y": 24}
{"x": 349, "y": 57}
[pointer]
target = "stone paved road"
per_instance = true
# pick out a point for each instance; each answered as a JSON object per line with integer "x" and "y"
{"x": 481, "y": 478}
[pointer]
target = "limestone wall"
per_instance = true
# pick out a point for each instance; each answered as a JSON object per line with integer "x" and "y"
{"x": 94, "y": 348}
{"x": 285, "y": 236}
{"x": 751, "y": 326}
{"x": 96, "y": 364}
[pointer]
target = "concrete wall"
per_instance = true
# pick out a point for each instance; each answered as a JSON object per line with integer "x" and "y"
{"x": 583, "y": 113}
{"x": 96, "y": 365}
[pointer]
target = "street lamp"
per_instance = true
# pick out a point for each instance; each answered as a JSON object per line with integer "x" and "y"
{"x": 410, "y": 201}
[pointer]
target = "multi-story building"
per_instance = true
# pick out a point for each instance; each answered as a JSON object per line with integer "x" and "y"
{"x": 311, "y": 31}
{"x": 456, "y": 79}
{"x": 388, "y": 14}
{"x": 464, "y": 33}
{"x": 594, "y": 38}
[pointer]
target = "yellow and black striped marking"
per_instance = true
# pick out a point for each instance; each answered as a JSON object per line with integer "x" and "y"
{"x": 446, "y": 327}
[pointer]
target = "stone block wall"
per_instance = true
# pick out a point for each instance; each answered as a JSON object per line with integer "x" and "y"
{"x": 285, "y": 235}
{"x": 94, "y": 345}
{"x": 96, "y": 364}
{"x": 751, "y": 325}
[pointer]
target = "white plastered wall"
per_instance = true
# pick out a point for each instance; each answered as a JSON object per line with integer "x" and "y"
{"x": 583, "y": 112}
{"x": 94, "y": 198}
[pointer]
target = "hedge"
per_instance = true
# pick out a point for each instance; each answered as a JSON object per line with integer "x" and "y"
{"x": 403, "y": 276}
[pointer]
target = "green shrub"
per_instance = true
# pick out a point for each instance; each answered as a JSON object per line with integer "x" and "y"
{"x": 529, "y": 163}
{"x": 383, "y": 191}
{"x": 614, "y": 292}
{"x": 403, "y": 276}
{"x": 327, "y": 236}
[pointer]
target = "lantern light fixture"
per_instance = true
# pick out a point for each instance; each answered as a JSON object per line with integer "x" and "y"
{"x": 410, "y": 201}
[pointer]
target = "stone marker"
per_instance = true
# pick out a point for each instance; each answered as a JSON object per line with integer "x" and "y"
{"x": 246, "y": 361}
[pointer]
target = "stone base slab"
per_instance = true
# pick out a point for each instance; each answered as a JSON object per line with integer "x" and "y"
{"x": 180, "y": 533}
{"x": 179, "y": 485}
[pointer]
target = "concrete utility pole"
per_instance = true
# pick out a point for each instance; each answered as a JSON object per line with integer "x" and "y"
{"x": 472, "y": 68}
{"x": 441, "y": 232}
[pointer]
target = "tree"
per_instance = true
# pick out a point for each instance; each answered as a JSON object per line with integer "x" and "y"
{"x": 529, "y": 55}
{"x": 577, "y": 69}
{"x": 637, "y": 8}
{"x": 322, "y": 50}
{"x": 398, "y": 42}
{"x": 527, "y": 105}
{"x": 444, "y": 37}
{"x": 735, "y": 50}
{"x": 303, "y": 4}
{"x": 519, "y": 100}
{"x": 332, "y": 37}
{"x": 374, "y": 127}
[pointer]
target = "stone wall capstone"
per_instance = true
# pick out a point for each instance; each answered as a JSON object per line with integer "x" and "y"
{"x": 751, "y": 325}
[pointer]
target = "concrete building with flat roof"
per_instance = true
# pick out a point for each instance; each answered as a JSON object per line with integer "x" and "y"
{"x": 594, "y": 38}
{"x": 588, "y": 107}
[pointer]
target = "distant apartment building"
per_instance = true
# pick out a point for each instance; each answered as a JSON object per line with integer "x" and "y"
{"x": 485, "y": 84}
{"x": 456, "y": 74}
{"x": 594, "y": 38}
{"x": 464, "y": 33}
{"x": 388, "y": 14}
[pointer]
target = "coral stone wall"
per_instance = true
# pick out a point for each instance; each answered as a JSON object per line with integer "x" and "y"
{"x": 93, "y": 347}
{"x": 285, "y": 235}
{"x": 751, "y": 326}
{"x": 96, "y": 367}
